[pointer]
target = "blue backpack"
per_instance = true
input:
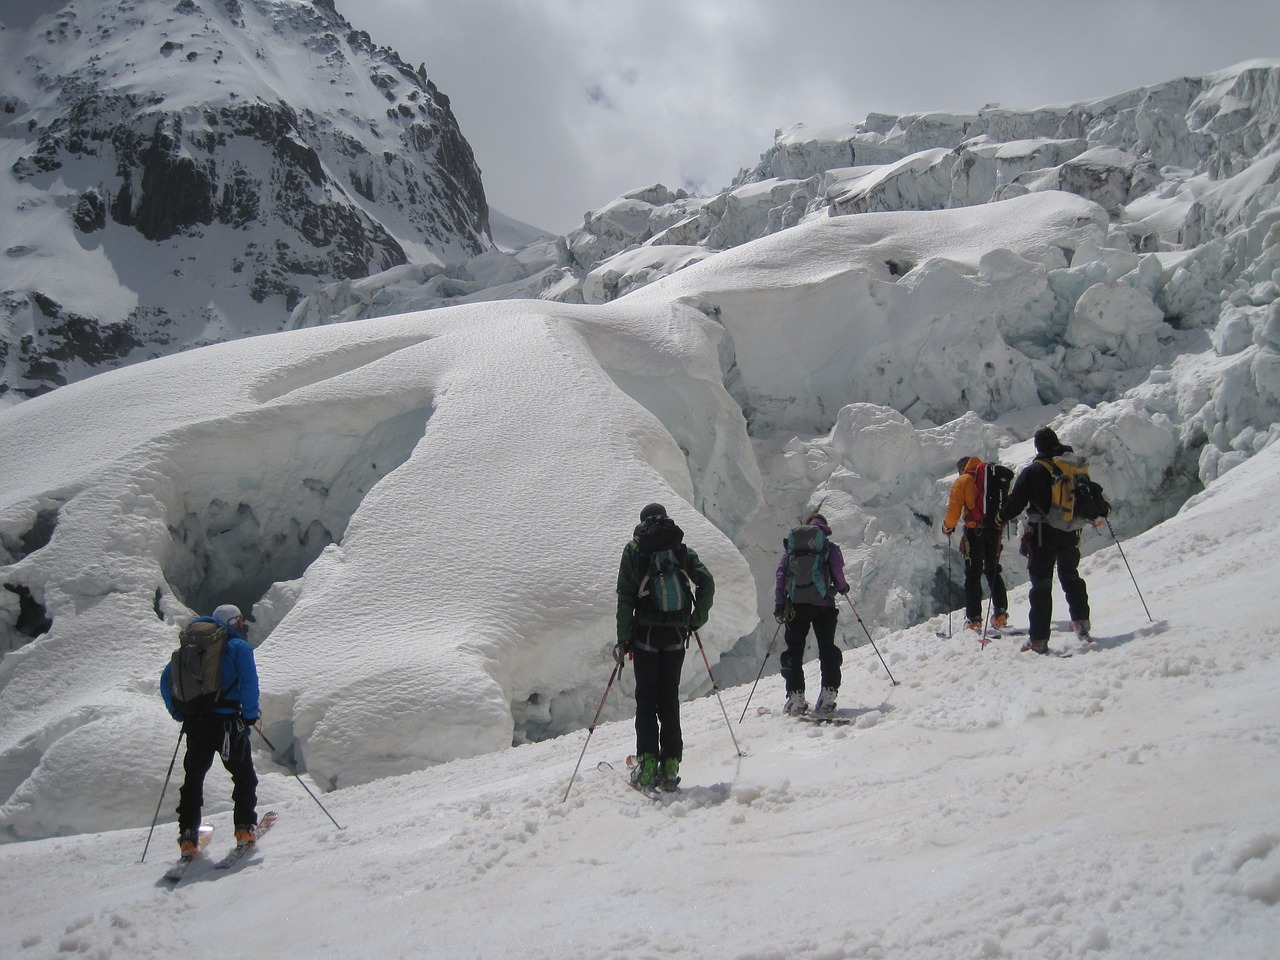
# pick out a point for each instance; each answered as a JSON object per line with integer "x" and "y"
{"x": 808, "y": 578}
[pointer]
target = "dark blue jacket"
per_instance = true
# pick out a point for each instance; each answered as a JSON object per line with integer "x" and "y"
{"x": 238, "y": 679}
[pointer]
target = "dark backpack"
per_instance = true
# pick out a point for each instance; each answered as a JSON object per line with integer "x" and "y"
{"x": 993, "y": 481}
{"x": 665, "y": 582}
{"x": 196, "y": 667}
{"x": 808, "y": 576}
{"x": 1076, "y": 501}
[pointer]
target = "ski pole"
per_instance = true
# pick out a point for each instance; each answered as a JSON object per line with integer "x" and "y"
{"x": 716, "y": 688}
{"x": 768, "y": 651}
{"x": 873, "y": 643}
{"x": 1130, "y": 569}
{"x": 162, "y": 792}
{"x": 272, "y": 747}
{"x": 592, "y": 729}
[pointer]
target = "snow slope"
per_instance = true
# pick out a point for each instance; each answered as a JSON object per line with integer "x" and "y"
{"x": 991, "y": 804}
{"x": 424, "y": 512}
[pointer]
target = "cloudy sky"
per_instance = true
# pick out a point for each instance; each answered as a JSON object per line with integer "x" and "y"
{"x": 569, "y": 103}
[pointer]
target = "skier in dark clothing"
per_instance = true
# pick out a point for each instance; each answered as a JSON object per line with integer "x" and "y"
{"x": 1046, "y": 546}
{"x": 223, "y": 729}
{"x": 656, "y": 638}
{"x": 822, "y": 615}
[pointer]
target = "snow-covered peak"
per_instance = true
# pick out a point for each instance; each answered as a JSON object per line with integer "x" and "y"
{"x": 183, "y": 173}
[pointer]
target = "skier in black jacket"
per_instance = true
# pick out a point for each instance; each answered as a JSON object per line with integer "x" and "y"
{"x": 655, "y": 639}
{"x": 1046, "y": 546}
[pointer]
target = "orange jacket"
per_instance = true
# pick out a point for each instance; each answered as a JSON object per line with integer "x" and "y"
{"x": 964, "y": 497}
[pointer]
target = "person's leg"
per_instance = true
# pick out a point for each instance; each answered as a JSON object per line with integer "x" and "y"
{"x": 972, "y": 547}
{"x": 829, "y": 656}
{"x": 646, "y": 665}
{"x": 1073, "y": 584}
{"x": 202, "y": 743}
{"x": 244, "y": 780}
{"x": 670, "y": 738}
{"x": 991, "y": 543}
{"x": 1040, "y": 561}
{"x": 791, "y": 661}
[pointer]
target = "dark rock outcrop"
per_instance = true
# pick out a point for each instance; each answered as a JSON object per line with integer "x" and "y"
{"x": 248, "y": 188}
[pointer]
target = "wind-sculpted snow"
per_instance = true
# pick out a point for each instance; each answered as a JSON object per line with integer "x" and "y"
{"x": 898, "y": 309}
{"x": 993, "y": 803}
{"x": 423, "y": 600}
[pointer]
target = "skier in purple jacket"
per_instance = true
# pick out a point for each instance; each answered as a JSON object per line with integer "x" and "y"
{"x": 817, "y": 609}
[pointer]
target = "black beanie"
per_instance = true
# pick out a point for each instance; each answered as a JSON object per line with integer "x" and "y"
{"x": 1047, "y": 442}
{"x": 652, "y": 510}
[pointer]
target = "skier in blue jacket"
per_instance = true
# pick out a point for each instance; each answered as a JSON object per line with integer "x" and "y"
{"x": 221, "y": 729}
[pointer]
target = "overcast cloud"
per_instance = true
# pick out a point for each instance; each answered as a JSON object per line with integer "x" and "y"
{"x": 569, "y": 103}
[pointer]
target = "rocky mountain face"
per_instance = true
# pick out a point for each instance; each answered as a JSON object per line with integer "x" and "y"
{"x": 178, "y": 172}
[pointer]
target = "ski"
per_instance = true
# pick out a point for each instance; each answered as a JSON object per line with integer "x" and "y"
{"x": 203, "y": 835}
{"x": 651, "y": 792}
{"x": 241, "y": 849}
{"x": 834, "y": 720}
{"x": 606, "y": 767}
{"x": 983, "y": 639}
{"x": 1061, "y": 654}
{"x": 666, "y": 786}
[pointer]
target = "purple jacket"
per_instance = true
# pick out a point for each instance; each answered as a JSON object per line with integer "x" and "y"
{"x": 835, "y": 562}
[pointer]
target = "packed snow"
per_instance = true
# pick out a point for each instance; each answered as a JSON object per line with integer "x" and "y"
{"x": 992, "y": 803}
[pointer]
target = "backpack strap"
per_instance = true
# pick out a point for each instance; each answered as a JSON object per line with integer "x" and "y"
{"x": 1042, "y": 516}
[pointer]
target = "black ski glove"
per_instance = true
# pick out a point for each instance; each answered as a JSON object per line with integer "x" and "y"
{"x": 621, "y": 651}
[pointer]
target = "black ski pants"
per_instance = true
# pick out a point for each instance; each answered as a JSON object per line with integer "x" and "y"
{"x": 207, "y": 735}
{"x": 981, "y": 549}
{"x": 1048, "y": 547}
{"x": 658, "y": 659}
{"x": 823, "y": 620}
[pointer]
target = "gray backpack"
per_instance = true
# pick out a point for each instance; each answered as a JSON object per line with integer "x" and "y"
{"x": 196, "y": 667}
